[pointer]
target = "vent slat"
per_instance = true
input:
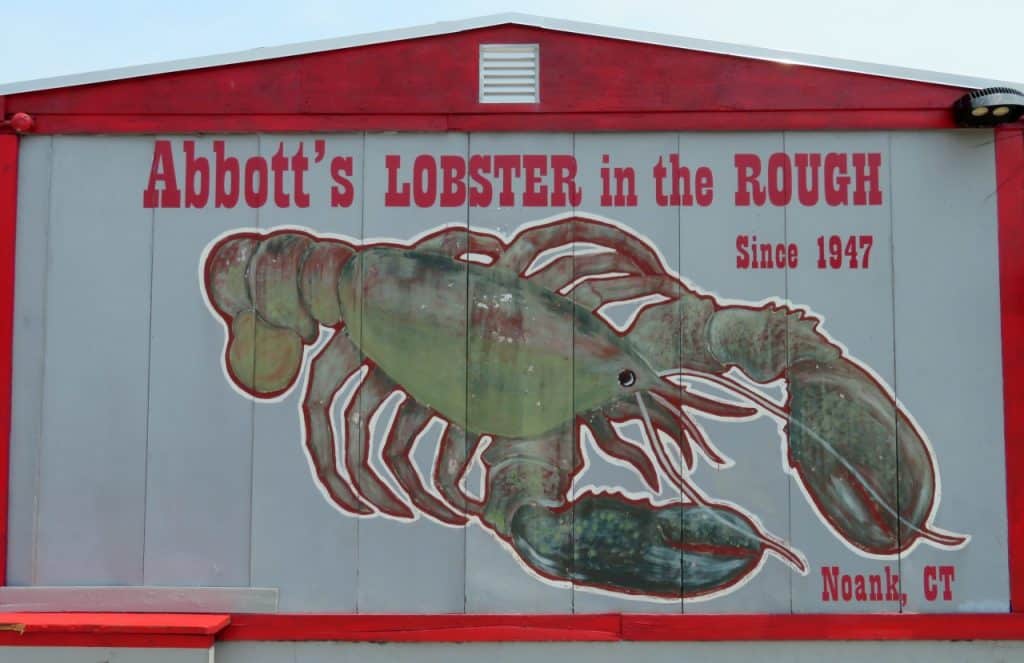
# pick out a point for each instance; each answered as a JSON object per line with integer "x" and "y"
{"x": 510, "y": 80}
{"x": 509, "y": 57}
{"x": 516, "y": 91}
{"x": 490, "y": 67}
{"x": 509, "y": 73}
{"x": 495, "y": 75}
{"x": 503, "y": 84}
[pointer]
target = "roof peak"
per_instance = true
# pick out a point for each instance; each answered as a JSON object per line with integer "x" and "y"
{"x": 492, "y": 20}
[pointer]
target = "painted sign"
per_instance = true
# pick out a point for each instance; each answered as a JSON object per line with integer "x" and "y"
{"x": 525, "y": 372}
{"x": 844, "y": 434}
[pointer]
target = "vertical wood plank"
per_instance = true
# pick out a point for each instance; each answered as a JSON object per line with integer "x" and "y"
{"x": 755, "y": 483}
{"x": 200, "y": 430}
{"x": 854, "y": 301}
{"x": 301, "y": 543}
{"x": 92, "y": 463}
{"x": 657, "y": 227}
{"x": 524, "y": 466}
{"x": 948, "y": 360}
{"x": 408, "y": 565}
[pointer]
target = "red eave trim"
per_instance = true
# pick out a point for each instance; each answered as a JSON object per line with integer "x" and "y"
{"x": 110, "y": 630}
{"x": 506, "y": 120}
{"x": 8, "y": 212}
{"x": 1010, "y": 192}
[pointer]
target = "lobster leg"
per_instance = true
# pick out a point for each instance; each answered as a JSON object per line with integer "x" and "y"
{"x": 456, "y": 241}
{"x": 457, "y": 450}
{"x": 594, "y": 294}
{"x": 563, "y": 271}
{"x": 608, "y": 441}
{"x": 330, "y": 369}
{"x": 411, "y": 420}
{"x": 527, "y": 245}
{"x": 527, "y": 471}
{"x": 374, "y": 390}
{"x": 662, "y": 421}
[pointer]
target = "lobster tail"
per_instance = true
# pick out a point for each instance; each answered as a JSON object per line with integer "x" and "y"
{"x": 272, "y": 291}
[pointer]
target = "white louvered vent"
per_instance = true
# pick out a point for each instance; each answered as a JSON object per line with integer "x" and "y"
{"x": 509, "y": 73}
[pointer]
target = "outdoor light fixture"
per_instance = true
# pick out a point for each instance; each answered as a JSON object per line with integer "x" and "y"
{"x": 989, "y": 107}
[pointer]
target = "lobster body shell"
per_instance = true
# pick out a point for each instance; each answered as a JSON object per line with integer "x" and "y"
{"x": 516, "y": 338}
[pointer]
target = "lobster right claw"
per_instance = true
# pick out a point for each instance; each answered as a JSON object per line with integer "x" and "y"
{"x": 614, "y": 543}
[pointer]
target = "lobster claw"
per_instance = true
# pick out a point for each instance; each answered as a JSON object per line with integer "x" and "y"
{"x": 614, "y": 543}
{"x": 863, "y": 463}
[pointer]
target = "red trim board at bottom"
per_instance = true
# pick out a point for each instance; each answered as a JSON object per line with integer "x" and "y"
{"x": 598, "y": 628}
{"x": 110, "y": 629}
{"x": 197, "y": 631}
{"x": 426, "y": 628}
{"x": 721, "y": 628}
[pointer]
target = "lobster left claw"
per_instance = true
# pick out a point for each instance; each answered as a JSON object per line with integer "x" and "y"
{"x": 863, "y": 464}
{"x": 608, "y": 541}
{"x": 866, "y": 467}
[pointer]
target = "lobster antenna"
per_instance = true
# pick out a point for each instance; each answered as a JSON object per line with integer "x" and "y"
{"x": 690, "y": 428}
{"x": 662, "y": 454}
{"x": 733, "y": 387}
{"x": 701, "y": 502}
{"x": 794, "y": 558}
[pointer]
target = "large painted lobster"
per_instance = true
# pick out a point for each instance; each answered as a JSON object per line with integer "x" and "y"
{"x": 517, "y": 358}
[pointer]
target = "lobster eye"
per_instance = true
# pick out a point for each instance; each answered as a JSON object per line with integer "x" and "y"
{"x": 627, "y": 378}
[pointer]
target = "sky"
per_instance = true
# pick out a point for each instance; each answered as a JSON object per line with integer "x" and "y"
{"x": 44, "y": 38}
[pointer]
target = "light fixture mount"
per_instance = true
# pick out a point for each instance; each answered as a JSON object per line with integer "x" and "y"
{"x": 988, "y": 107}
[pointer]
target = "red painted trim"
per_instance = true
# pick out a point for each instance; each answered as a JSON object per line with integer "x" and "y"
{"x": 438, "y": 75}
{"x": 426, "y": 628}
{"x": 110, "y": 630}
{"x": 794, "y": 120}
{"x": 118, "y": 640}
{"x": 590, "y": 628}
{"x": 190, "y": 630}
{"x": 1010, "y": 191}
{"x": 8, "y": 212}
{"x": 823, "y": 627}
{"x": 114, "y": 622}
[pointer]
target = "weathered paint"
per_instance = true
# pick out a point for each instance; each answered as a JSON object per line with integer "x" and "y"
{"x": 841, "y": 652}
{"x": 715, "y": 333}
